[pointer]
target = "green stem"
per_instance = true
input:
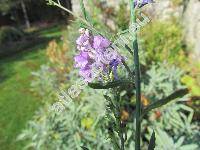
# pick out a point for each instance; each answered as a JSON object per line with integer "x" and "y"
{"x": 121, "y": 135}
{"x": 83, "y": 9}
{"x": 137, "y": 81}
{"x": 120, "y": 126}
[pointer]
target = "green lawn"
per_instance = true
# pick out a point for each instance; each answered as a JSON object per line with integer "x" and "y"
{"x": 17, "y": 103}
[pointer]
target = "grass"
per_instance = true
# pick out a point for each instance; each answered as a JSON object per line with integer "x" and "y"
{"x": 17, "y": 103}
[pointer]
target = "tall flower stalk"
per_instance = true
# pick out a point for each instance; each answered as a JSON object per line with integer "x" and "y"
{"x": 137, "y": 78}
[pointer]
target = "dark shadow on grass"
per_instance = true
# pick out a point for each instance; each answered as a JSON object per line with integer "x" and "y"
{"x": 17, "y": 52}
{"x": 12, "y": 49}
{"x": 50, "y": 29}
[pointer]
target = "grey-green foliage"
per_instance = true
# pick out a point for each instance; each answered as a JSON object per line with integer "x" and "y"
{"x": 165, "y": 142}
{"x": 176, "y": 117}
{"x": 161, "y": 80}
{"x": 81, "y": 124}
{"x": 90, "y": 104}
{"x": 44, "y": 82}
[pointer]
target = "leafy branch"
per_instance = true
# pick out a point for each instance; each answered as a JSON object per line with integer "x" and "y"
{"x": 177, "y": 94}
{"x": 110, "y": 84}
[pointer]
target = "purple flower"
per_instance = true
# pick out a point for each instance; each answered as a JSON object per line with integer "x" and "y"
{"x": 84, "y": 41}
{"x": 82, "y": 59}
{"x": 86, "y": 73}
{"x": 95, "y": 54}
{"x": 142, "y": 3}
{"x": 113, "y": 65}
{"x": 100, "y": 42}
{"x": 84, "y": 62}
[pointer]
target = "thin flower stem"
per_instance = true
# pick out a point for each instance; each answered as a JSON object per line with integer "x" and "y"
{"x": 83, "y": 10}
{"x": 137, "y": 81}
{"x": 121, "y": 135}
{"x": 119, "y": 121}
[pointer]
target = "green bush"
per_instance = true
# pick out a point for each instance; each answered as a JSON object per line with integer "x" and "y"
{"x": 174, "y": 121}
{"x": 10, "y": 34}
{"x": 89, "y": 127}
{"x": 79, "y": 125}
{"x": 177, "y": 2}
{"x": 122, "y": 17}
{"x": 162, "y": 41}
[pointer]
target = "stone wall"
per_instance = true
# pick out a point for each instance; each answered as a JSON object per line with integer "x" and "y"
{"x": 191, "y": 23}
{"x": 76, "y": 6}
{"x": 163, "y": 10}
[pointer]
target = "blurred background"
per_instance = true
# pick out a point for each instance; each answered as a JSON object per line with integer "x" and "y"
{"x": 37, "y": 45}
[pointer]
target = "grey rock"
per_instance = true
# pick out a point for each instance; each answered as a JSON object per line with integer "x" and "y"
{"x": 191, "y": 22}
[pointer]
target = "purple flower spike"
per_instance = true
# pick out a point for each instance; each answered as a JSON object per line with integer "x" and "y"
{"x": 86, "y": 73}
{"x": 142, "y": 3}
{"x": 81, "y": 60}
{"x": 93, "y": 55}
{"x": 100, "y": 42}
{"x": 84, "y": 41}
{"x": 114, "y": 64}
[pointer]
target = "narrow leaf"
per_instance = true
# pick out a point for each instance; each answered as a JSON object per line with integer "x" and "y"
{"x": 83, "y": 9}
{"x": 128, "y": 69}
{"x": 129, "y": 49}
{"x": 177, "y": 94}
{"x": 152, "y": 142}
{"x": 85, "y": 13}
{"x": 110, "y": 84}
{"x": 84, "y": 148}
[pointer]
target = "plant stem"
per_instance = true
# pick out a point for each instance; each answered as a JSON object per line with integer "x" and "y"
{"x": 121, "y": 135}
{"x": 119, "y": 122}
{"x": 137, "y": 80}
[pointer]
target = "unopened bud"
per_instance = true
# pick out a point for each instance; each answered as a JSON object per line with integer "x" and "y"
{"x": 81, "y": 30}
{"x": 87, "y": 32}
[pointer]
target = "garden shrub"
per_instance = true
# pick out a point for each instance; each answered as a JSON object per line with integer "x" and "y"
{"x": 192, "y": 81}
{"x": 58, "y": 54}
{"x": 57, "y": 70}
{"x": 122, "y": 17}
{"x": 44, "y": 82}
{"x": 164, "y": 141}
{"x": 10, "y": 34}
{"x": 80, "y": 124}
{"x": 175, "y": 117}
{"x": 177, "y": 2}
{"x": 89, "y": 127}
{"x": 162, "y": 41}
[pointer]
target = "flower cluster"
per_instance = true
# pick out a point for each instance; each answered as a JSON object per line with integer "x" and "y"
{"x": 96, "y": 52}
{"x": 141, "y": 3}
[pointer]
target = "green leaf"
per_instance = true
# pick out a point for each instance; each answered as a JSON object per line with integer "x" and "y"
{"x": 49, "y": 2}
{"x": 177, "y": 94}
{"x": 128, "y": 69}
{"x": 152, "y": 142}
{"x": 85, "y": 13}
{"x": 110, "y": 84}
{"x": 189, "y": 147}
{"x": 84, "y": 148}
{"x": 129, "y": 49}
{"x": 83, "y": 9}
